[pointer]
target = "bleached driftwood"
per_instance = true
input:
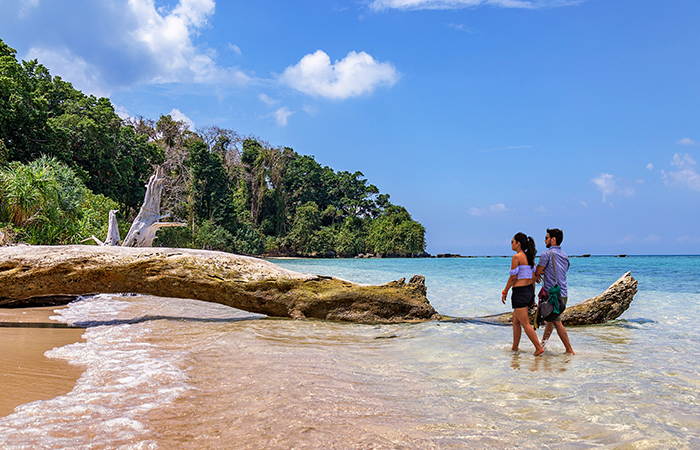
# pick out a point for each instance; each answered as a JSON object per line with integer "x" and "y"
{"x": 54, "y": 273}
{"x": 250, "y": 284}
{"x": 112, "y": 230}
{"x": 607, "y": 306}
{"x": 143, "y": 229}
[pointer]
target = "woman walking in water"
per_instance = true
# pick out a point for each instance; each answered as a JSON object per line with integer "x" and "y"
{"x": 521, "y": 268}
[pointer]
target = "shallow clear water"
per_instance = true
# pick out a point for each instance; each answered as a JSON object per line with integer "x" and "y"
{"x": 169, "y": 373}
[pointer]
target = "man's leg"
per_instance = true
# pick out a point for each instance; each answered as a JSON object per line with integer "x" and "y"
{"x": 547, "y": 332}
{"x": 564, "y": 336}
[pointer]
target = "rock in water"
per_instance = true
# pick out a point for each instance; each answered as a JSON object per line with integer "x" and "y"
{"x": 250, "y": 284}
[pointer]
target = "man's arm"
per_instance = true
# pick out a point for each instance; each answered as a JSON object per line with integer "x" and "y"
{"x": 542, "y": 263}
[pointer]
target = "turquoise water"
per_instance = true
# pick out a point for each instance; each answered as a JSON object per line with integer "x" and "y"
{"x": 207, "y": 376}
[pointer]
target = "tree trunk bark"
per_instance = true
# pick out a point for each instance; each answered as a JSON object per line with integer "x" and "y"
{"x": 143, "y": 229}
{"x": 58, "y": 272}
{"x": 607, "y": 306}
{"x": 112, "y": 229}
{"x": 250, "y": 284}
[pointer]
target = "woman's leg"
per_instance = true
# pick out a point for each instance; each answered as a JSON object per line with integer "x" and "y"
{"x": 521, "y": 315}
{"x": 516, "y": 333}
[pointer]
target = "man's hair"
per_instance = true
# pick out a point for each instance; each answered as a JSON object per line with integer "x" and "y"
{"x": 557, "y": 234}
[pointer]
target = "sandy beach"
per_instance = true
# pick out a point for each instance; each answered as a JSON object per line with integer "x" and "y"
{"x": 25, "y": 373}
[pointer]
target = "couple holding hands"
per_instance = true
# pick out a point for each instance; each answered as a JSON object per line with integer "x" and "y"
{"x": 551, "y": 269}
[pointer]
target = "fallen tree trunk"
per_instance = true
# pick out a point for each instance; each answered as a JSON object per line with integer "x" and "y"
{"x": 55, "y": 273}
{"x": 250, "y": 284}
{"x": 607, "y": 306}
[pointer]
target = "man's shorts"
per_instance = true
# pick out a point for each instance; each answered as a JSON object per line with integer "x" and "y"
{"x": 557, "y": 319}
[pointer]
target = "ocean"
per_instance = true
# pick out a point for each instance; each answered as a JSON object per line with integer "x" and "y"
{"x": 163, "y": 373}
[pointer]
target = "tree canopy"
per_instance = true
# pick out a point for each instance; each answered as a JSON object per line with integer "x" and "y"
{"x": 61, "y": 149}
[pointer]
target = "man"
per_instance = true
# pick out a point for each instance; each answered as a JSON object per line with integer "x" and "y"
{"x": 545, "y": 267}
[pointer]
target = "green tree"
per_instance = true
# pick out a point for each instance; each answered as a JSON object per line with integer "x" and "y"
{"x": 49, "y": 203}
{"x": 395, "y": 233}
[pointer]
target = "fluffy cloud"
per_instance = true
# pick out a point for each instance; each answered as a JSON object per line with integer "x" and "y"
{"x": 281, "y": 116}
{"x": 354, "y": 75}
{"x": 267, "y": 100}
{"x": 686, "y": 176}
{"x": 235, "y": 49}
{"x": 176, "y": 114}
{"x": 607, "y": 185}
{"x": 488, "y": 210}
{"x": 26, "y": 7}
{"x": 136, "y": 43}
{"x": 686, "y": 141}
{"x": 80, "y": 73}
{"x": 650, "y": 166}
{"x": 381, "y": 5}
{"x": 168, "y": 38}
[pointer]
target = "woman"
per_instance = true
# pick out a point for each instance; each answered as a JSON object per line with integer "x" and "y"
{"x": 521, "y": 280}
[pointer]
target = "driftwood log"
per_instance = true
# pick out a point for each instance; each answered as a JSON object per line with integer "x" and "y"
{"x": 34, "y": 275}
{"x": 607, "y": 306}
{"x": 143, "y": 229}
{"x": 250, "y": 284}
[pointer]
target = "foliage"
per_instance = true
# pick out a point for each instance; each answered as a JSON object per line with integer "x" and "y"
{"x": 66, "y": 159}
{"x": 47, "y": 202}
{"x": 395, "y": 232}
{"x": 44, "y": 115}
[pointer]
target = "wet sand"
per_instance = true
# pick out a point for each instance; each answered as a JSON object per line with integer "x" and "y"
{"x": 25, "y": 373}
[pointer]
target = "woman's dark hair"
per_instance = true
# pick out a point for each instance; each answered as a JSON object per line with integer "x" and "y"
{"x": 528, "y": 246}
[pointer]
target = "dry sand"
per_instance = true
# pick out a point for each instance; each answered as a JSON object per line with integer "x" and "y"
{"x": 25, "y": 373}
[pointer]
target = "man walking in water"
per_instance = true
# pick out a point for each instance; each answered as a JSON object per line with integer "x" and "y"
{"x": 546, "y": 267}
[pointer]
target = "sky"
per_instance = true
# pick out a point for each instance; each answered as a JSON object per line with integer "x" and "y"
{"x": 482, "y": 117}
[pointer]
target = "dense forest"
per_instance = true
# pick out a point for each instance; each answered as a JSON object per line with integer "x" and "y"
{"x": 67, "y": 158}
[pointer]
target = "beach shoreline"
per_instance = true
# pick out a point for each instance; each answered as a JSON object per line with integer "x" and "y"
{"x": 26, "y": 374}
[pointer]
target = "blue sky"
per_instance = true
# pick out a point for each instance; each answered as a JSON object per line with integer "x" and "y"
{"x": 482, "y": 117}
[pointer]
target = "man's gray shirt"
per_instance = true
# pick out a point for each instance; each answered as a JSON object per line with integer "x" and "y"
{"x": 545, "y": 261}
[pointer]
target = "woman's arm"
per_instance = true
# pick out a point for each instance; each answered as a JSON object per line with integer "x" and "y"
{"x": 511, "y": 279}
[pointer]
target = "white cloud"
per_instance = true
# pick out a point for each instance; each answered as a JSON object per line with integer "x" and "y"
{"x": 381, "y": 5}
{"x": 650, "y": 166}
{"x": 626, "y": 240}
{"x": 488, "y": 210}
{"x": 607, "y": 185}
{"x": 236, "y": 49}
{"x": 354, "y": 75}
{"x": 72, "y": 68}
{"x": 168, "y": 38}
{"x": 688, "y": 240}
{"x": 541, "y": 209}
{"x": 176, "y": 114}
{"x": 651, "y": 238}
{"x": 281, "y": 116}
{"x": 687, "y": 141}
{"x": 139, "y": 43}
{"x": 459, "y": 27}
{"x": 510, "y": 147}
{"x": 584, "y": 204}
{"x": 686, "y": 176}
{"x": 267, "y": 100}
{"x": 310, "y": 110}
{"x": 122, "y": 112}
{"x": 26, "y": 7}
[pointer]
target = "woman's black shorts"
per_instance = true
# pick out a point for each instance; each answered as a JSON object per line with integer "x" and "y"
{"x": 522, "y": 296}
